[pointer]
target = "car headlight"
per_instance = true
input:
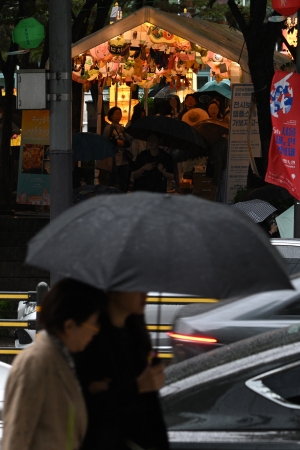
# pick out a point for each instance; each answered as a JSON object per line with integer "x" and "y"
{"x": 29, "y": 308}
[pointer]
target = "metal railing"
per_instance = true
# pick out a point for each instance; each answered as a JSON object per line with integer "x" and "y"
{"x": 32, "y": 296}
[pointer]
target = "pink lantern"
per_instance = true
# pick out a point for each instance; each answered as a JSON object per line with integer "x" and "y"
{"x": 286, "y": 7}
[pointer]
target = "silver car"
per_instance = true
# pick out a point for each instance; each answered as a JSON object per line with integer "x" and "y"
{"x": 197, "y": 331}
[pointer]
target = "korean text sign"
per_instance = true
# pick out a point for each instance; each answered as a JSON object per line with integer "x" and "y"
{"x": 238, "y": 154}
{"x": 284, "y": 163}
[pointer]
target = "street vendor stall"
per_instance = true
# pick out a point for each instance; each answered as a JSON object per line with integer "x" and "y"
{"x": 141, "y": 48}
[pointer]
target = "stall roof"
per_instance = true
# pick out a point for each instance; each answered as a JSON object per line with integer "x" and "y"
{"x": 213, "y": 36}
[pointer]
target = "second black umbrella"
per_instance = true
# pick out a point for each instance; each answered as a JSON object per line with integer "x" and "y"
{"x": 171, "y": 132}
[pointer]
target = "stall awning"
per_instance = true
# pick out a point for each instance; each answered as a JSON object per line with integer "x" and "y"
{"x": 213, "y": 36}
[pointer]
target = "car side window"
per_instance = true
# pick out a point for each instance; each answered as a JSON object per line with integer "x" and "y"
{"x": 286, "y": 384}
{"x": 293, "y": 265}
{"x": 290, "y": 309}
{"x": 280, "y": 385}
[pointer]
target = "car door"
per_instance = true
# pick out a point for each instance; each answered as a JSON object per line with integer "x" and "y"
{"x": 234, "y": 412}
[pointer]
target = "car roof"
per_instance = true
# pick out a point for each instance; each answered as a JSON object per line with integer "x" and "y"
{"x": 290, "y": 251}
{"x": 255, "y": 305}
{"x": 276, "y": 344}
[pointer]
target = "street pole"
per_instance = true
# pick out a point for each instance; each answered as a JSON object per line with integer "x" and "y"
{"x": 297, "y": 201}
{"x": 60, "y": 106}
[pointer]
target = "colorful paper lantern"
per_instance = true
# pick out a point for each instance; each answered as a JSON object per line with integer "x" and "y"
{"x": 286, "y": 7}
{"x": 29, "y": 33}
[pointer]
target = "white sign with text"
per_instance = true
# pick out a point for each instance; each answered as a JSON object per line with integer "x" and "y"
{"x": 238, "y": 154}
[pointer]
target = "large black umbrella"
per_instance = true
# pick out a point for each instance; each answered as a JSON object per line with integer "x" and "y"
{"x": 212, "y": 129}
{"x": 269, "y": 193}
{"x": 158, "y": 242}
{"x": 171, "y": 132}
{"x": 156, "y": 89}
{"x": 89, "y": 146}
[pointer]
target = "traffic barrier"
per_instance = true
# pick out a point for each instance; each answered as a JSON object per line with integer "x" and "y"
{"x": 36, "y": 296}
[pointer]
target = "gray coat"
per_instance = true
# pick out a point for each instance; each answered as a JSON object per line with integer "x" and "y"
{"x": 43, "y": 406}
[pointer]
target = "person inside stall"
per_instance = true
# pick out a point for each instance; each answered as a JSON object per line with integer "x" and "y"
{"x": 137, "y": 145}
{"x": 175, "y": 105}
{"x": 218, "y": 155}
{"x": 77, "y": 176}
{"x": 189, "y": 103}
{"x": 213, "y": 110}
{"x": 116, "y": 134}
{"x": 164, "y": 108}
{"x": 153, "y": 168}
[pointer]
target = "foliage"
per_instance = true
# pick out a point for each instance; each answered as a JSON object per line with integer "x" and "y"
{"x": 150, "y": 103}
{"x": 11, "y": 14}
{"x": 241, "y": 194}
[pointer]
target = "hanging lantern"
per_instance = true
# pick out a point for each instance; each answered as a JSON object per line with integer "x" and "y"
{"x": 29, "y": 33}
{"x": 286, "y": 7}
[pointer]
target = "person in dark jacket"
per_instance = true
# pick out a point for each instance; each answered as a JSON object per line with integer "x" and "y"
{"x": 119, "y": 382}
{"x": 218, "y": 154}
{"x": 153, "y": 167}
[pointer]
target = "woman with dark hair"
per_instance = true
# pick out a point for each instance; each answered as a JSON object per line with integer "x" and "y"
{"x": 44, "y": 408}
{"x": 175, "y": 105}
{"x": 189, "y": 103}
{"x": 137, "y": 145}
{"x": 213, "y": 109}
{"x": 116, "y": 134}
{"x": 138, "y": 113}
{"x": 120, "y": 382}
{"x": 164, "y": 108}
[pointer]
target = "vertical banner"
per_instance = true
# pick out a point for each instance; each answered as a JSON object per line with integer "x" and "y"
{"x": 284, "y": 163}
{"x": 238, "y": 154}
{"x": 34, "y": 162}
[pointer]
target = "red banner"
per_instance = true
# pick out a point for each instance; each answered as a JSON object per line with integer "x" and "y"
{"x": 284, "y": 161}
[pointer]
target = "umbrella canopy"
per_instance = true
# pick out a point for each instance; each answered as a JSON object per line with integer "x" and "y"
{"x": 157, "y": 89}
{"x": 285, "y": 223}
{"x": 270, "y": 192}
{"x": 222, "y": 88}
{"x": 171, "y": 132}
{"x": 257, "y": 210}
{"x": 165, "y": 92}
{"x": 212, "y": 129}
{"x": 164, "y": 243}
{"x": 89, "y": 146}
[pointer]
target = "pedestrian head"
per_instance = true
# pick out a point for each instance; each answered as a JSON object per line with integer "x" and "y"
{"x": 190, "y": 101}
{"x": 164, "y": 108}
{"x": 114, "y": 115}
{"x": 138, "y": 113}
{"x": 70, "y": 310}
{"x": 213, "y": 109}
{"x": 124, "y": 304}
{"x": 175, "y": 103}
{"x": 153, "y": 143}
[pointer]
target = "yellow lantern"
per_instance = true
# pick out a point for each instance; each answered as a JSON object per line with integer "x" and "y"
{"x": 124, "y": 101}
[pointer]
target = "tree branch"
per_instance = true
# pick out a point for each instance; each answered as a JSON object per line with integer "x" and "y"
{"x": 80, "y": 24}
{"x": 258, "y": 11}
{"x": 238, "y": 16}
{"x": 291, "y": 48}
{"x": 101, "y": 16}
